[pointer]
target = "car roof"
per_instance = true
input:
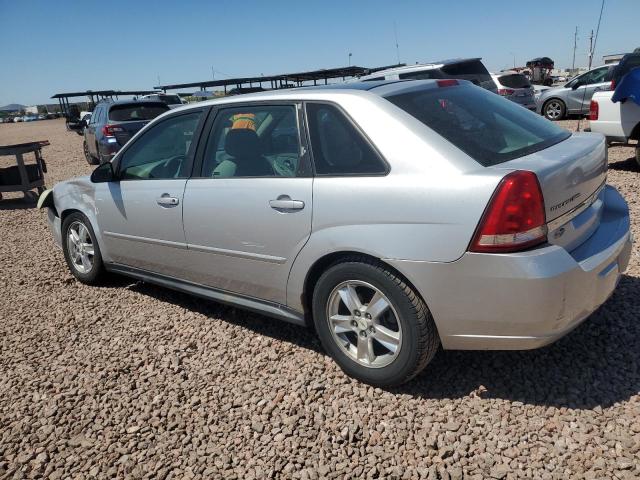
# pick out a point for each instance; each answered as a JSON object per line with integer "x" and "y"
{"x": 130, "y": 102}
{"x": 382, "y": 88}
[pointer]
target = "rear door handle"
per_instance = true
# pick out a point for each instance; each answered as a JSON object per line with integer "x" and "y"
{"x": 167, "y": 200}
{"x": 284, "y": 202}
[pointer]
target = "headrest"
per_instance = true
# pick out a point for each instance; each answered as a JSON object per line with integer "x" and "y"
{"x": 242, "y": 142}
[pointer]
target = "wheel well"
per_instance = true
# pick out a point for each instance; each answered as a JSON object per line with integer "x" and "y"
{"x": 323, "y": 263}
{"x": 553, "y": 98}
{"x": 66, "y": 213}
{"x": 635, "y": 134}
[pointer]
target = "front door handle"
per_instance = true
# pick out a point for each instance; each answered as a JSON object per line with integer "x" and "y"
{"x": 284, "y": 202}
{"x": 167, "y": 200}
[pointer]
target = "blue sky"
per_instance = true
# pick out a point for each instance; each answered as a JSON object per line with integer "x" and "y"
{"x": 66, "y": 45}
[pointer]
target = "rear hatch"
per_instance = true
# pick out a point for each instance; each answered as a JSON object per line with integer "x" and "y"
{"x": 572, "y": 174}
{"x": 517, "y": 87}
{"x": 129, "y": 118}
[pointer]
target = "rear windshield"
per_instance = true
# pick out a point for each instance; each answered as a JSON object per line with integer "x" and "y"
{"x": 136, "y": 111}
{"x": 488, "y": 128}
{"x": 170, "y": 99}
{"x": 514, "y": 81}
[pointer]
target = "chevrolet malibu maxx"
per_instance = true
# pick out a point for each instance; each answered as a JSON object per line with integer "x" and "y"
{"x": 392, "y": 217}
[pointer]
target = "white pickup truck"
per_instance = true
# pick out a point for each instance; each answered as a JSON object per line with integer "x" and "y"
{"x": 619, "y": 122}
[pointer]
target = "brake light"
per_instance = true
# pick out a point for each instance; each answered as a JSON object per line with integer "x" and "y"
{"x": 450, "y": 82}
{"x": 515, "y": 218}
{"x": 111, "y": 130}
{"x": 594, "y": 110}
{"x": 505, "y": 92}
{"x": 613, "y": 85}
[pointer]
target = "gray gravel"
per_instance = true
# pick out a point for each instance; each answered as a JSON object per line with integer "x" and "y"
{"x": 131, "y": 380}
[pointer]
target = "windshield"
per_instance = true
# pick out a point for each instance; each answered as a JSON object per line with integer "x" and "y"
{"x": 488, "y": 128}
{"x": 136, "y": 111}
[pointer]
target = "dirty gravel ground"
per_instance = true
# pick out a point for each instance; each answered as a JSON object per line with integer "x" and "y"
{"x": 132, "y": 380}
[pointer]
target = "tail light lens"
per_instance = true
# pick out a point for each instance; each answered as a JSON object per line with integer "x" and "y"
{"x": 515, "y": 218}
{"x": 505, "y": 92}
{"x": 594, "y": 110}
{"x": 111, "y": 130}
{"x": 613, "y": 85}
{"x": 449, "y": 82}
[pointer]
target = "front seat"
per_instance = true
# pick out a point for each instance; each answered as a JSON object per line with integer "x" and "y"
{"x": 243, "y": 146}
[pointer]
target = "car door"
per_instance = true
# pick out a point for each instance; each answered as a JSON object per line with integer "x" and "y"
{"x": 249, "y": 213}
{"x": 580, "y": 97}
{"x": 140, "y": 214}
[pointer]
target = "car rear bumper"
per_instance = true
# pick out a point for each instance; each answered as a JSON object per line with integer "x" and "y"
{"x": 528, "y": 299}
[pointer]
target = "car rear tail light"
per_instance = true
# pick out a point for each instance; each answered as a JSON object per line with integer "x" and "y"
{"x": 450, "y": 82}
{"x": 111, "y": 130}
{"x": 515, "y": 218}
{"x": 505, "y": 92}
{"x": 594, "y": 110}
{"x": 613, "y": 85}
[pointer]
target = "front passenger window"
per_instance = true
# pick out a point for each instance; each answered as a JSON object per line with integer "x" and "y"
{"x": 162, "y": 152}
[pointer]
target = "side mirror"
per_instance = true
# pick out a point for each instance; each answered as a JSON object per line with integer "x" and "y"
{"x": 103, "y": 174}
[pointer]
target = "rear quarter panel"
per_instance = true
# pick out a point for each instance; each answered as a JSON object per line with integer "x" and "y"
{"x": 615, "y": 120}
{"x": 425, "y": 209}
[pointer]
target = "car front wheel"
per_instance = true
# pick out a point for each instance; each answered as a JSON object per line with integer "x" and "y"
{"x": 81, "y": 249}
{"x": 372, "y": 323}
{"x": 554, "y": 109}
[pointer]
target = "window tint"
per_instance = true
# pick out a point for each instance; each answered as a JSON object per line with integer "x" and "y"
{"x": 338, "y": 148}
{"x": 133, "y": 112}
{"x": 255, "y": 141}
{"x": 163, "y": 151}
{"x": 481, "y": 124}
{"x": 514, "y": 81}
{"x": 595, "y": 76}
{"x": 473, "y": 71}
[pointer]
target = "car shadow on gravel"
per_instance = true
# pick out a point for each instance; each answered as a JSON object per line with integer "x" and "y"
{"x": 628, "y": 165}
{"x": 595, "y": 365}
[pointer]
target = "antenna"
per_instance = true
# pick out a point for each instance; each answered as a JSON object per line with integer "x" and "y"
{"x": 575, "y": 45}
{"x": 395, "y": 35}
{"x": 592, "y": 42}
{"x": 598, "y": 27}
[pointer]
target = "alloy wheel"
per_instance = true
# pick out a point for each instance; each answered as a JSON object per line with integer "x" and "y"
{"x": 553, "y": 110}
{"x": 364, "y": 323}
{"x": 80, "y": 247}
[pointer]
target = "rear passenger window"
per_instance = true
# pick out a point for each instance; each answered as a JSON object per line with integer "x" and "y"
{"x": 338, "y": 147}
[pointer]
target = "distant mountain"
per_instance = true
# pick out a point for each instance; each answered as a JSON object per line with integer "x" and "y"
{"x": 12, "y": 107}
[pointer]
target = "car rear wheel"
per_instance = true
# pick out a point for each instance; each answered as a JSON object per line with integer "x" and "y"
{"x": 87, "y": 154}
{"x": 81, "y": 249}
{"x": 372, "y": 323}
{"x": 638, "y": 155}
{"x": 554, "y": 109}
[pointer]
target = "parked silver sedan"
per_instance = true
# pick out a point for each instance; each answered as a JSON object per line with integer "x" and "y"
{"x": 393, "y": 217}
{"x": 574, "y": 97}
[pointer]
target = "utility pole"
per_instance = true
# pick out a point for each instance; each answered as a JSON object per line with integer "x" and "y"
{"x": 350, "y": 54}
{"x": 213, "y": 73}
{"x": 575, "y": 45}
{"x": 590, "y": 49}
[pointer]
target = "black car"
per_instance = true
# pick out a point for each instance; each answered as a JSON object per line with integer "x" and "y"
{"x": 112, "y": 124}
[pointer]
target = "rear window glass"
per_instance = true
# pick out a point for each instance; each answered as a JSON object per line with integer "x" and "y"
{"x": 489, "y": 129}
{"x": 170, "y": 99}
{"x": 514, "y": 81}
{"x": 421, "y": 75}
{"x": 134, "y": 112}
{"x": 473, "y": 71}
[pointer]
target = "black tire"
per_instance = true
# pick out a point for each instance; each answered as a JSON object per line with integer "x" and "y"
{"x": 91, "y": 160}
{"x": 638, "y": 155}
{"x": 97, "y": 272}
{"x": 419, "y": 341}
{"x": 554, "y": 109}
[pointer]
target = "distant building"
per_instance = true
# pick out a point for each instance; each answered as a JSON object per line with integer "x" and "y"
{"x": 32, "y": 110}
{"x": 613, "y": 58}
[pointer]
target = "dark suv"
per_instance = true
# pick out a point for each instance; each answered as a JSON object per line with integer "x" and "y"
{"x": 112, "y": 124}
{"x": 629, "y": 62}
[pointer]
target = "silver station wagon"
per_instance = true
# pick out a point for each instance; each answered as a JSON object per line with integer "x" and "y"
{"x": 393, "y": 217}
